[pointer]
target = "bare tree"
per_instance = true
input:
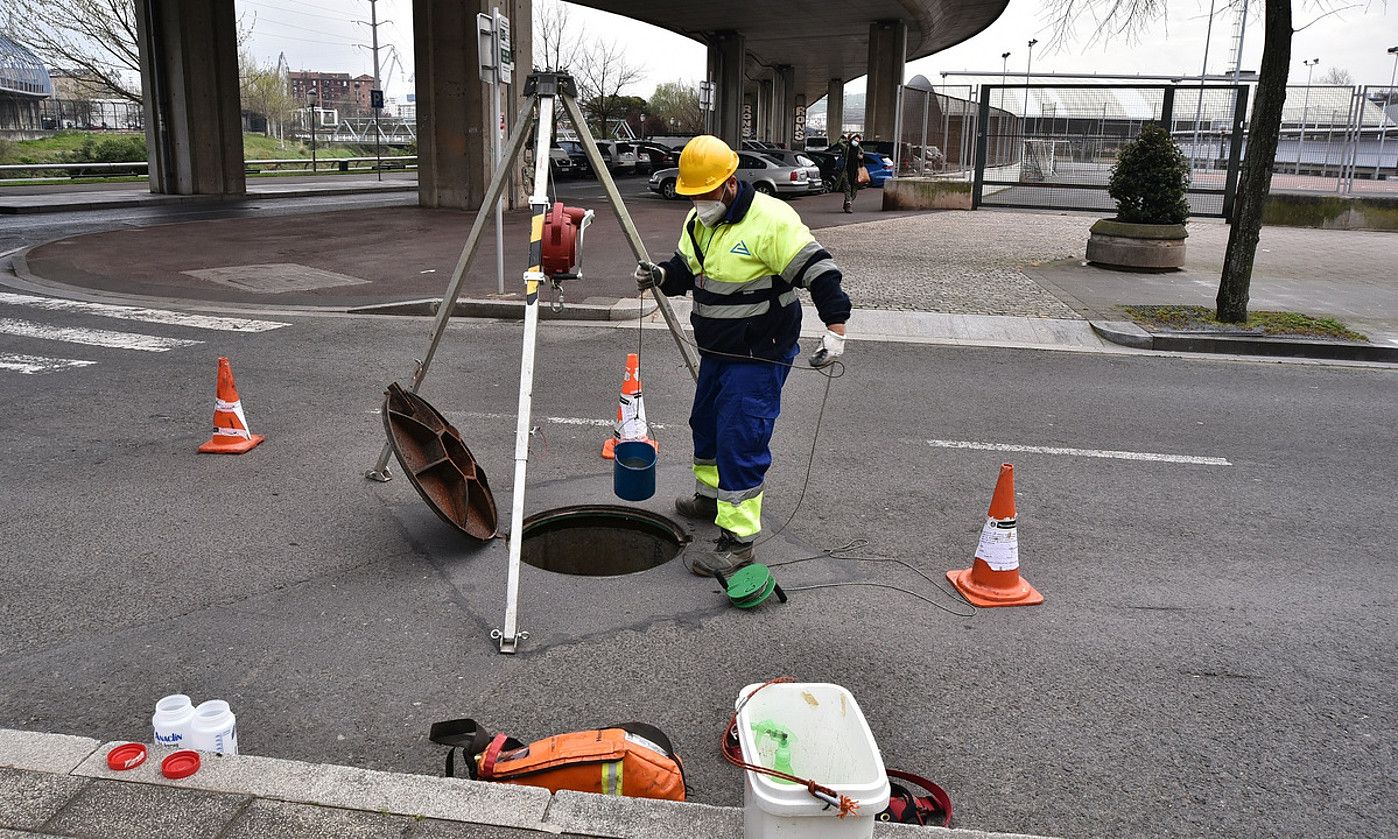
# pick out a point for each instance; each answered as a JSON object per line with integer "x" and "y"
{"x": 1337, "y": 76}
{"x": 264, "y": 91}
{"x": 603, "y": 73}
{"x": 1127, "y": 17}
{"x": 94, "y": 37}
{"x": 560, "y": 42}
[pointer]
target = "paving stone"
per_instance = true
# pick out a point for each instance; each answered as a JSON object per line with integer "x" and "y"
{"x": 280, "y": 820}
{"x": 39, "y": 752}
{"x": 28, "y": 799}
{"x": 113, "y": 808}
{"x": 19, "y": 834}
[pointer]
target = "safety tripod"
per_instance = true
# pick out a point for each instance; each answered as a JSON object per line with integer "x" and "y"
{"x": 541, "y": 90}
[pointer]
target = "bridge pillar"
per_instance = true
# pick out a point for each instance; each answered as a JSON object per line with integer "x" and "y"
{"x": 453, "y": 113}
{"x": 834, "y": 109}
{"x": 783, "y": 104}
{"x": 726, "y": 59}
{"x": 798, "y": 122}
{"x": 762, "y": 127}
{"x": 888, "y": 48}
{"x": 189, "y": 83}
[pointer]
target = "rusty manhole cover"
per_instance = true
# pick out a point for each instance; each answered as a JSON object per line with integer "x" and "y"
{"x": 274, "y": 277}
{"x": 438, "y": 463}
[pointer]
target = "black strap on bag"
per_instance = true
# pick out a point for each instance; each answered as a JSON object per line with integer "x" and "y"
{"x": 906, "y": 808}
{"x": 470, "y": 738}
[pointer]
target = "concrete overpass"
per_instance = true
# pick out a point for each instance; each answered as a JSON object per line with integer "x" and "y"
{"x": 769, "y": 58}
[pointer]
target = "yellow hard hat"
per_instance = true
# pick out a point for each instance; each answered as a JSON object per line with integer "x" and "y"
{"x": 705, "y": 164}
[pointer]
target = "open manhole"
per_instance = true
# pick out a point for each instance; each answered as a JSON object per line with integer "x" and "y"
{"x": 600, "y": 540}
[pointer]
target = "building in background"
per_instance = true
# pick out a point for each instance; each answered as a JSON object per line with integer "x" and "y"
{"x": 341, "y": 92}
{"x": 24, "y": 84}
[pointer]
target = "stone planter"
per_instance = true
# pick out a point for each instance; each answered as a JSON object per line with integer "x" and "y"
{"x": 1136, "y": 247}
{"x": 926, "y": 194}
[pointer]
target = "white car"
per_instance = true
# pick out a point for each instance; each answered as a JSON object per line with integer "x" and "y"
{"x": 767, "y": 175}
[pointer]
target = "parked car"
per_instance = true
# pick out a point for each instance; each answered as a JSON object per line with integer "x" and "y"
{"x": 577, "y": 156}
{"x": 759, "y": 146}
{"x": 560, "y": 162}
{"x": 619, "y": 157}
{"x": 767, "y": 175}
{"x": 653, "y": 156}
{"x": 797, "y": 158}
{"x": 829, "y": 164}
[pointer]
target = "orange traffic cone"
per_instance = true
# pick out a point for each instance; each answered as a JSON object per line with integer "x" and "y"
{"x": 993, "y": 578}
{"x": 630, "y": 411}
{"x": 231, "y": 434}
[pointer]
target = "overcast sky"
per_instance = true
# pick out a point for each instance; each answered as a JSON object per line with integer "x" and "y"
{"x": 321, "y": 34}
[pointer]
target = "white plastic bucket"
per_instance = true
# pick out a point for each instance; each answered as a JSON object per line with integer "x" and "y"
{"x": 171, "y": 721}
{"x": 214, "y": 729}
{"x": 830, "y": 743}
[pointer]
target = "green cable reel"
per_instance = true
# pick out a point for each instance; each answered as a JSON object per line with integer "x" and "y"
{"x": 751, "y": 586}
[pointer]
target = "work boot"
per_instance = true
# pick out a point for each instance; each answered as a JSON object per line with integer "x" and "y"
{"x": 849, "y": 207}
{"x": 699, "y": 507}
{"x": 728, "y": 556}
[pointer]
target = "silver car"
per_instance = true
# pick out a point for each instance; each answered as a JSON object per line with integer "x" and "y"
{"x": 796, "y": 158}
{"x": 767, "y": 175}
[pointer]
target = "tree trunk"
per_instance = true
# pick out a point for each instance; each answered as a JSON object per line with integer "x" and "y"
{"x": 1256, "y": 181}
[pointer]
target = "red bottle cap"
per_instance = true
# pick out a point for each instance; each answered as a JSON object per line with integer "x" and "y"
{"x": 180, "y": 764}
{"x": 126, "y": 756}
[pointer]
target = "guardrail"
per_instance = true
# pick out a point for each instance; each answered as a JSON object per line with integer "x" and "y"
{"x": 321, "y": 164}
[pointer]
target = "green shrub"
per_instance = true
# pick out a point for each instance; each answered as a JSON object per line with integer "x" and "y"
{"x": 1150, "y": 179}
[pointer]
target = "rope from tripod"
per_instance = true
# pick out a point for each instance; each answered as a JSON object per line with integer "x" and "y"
{"x": 733, "y": 753}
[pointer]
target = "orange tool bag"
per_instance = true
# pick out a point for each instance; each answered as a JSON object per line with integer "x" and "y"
{"x": 630, "y": 758}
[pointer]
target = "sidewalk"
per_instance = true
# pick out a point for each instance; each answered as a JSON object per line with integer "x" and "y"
{"x": 59, "y": 785}
{"x": 16, "y": 200}
{"x": 971, "y": 267}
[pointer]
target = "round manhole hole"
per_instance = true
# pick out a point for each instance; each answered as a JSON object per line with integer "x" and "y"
{"x": 600, "y": 540}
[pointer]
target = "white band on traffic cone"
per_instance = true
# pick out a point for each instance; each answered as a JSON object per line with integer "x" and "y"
{"x": 999, "y": 545}
{"x": 236, "y": 409}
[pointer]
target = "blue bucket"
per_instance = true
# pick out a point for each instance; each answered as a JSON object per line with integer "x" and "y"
{"x": 633, "y": 470}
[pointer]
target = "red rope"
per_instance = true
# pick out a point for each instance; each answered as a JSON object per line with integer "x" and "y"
{"x": 733, "y": 753}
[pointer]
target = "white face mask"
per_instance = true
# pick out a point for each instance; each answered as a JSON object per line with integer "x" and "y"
{"x": 710, "y": 213}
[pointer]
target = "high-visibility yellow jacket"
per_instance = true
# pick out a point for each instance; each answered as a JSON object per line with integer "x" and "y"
{"x": 743, "y": 274}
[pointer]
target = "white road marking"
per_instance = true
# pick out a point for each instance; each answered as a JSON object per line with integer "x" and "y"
{"x": 31, "y": 364}
{"x": 1151, "y": 456}
{"x": 106, "y": 310}
{"x": 92, "y": 337}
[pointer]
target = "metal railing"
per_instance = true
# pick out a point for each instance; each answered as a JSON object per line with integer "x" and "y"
{"x": 137, "y": 167}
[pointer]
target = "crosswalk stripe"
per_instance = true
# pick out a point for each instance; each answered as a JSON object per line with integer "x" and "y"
{"x": 107, "y": 310}
{"x": 92, "y": 337}
{"x": 31, "y": 364}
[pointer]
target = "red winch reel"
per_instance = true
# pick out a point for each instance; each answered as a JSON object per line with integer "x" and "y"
{"x": 561, "y": 251}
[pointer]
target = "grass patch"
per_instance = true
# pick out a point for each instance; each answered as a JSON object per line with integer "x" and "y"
{"x": 1201, "y": 319}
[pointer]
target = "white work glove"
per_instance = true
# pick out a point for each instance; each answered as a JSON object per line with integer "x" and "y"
{"x": 648, "y": 275}
{"x": 832, "y": 346}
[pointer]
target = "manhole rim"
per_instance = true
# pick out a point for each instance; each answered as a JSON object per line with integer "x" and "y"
{"x": 658, "y": 522}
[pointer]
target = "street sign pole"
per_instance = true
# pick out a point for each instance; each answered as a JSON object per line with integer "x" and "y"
{"x": 497, "y": 68}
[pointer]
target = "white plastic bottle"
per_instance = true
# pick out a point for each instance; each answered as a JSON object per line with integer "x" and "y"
{"x": 214, "y": 728}
{"x": 171, "y": 721}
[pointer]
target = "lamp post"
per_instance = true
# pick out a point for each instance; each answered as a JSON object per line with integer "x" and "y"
{"x": 1387, "y": 103}
{"x": 314, "y": 118}
{"x": 1305, "y": 107}
{"x": 1203, "y": 71}
{"x": 1028, "y": 67}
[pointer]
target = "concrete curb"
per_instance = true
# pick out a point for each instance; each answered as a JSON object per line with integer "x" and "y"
{"x": 156, "y": 199}
{"x": 510, "y": 309}
{"x": 1131, "y": 335}
{"x": 346, "y": 788}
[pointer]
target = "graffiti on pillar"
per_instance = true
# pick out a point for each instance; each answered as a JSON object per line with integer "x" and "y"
{"x": 799, "y": 136}
{"x": 747, "y": 120}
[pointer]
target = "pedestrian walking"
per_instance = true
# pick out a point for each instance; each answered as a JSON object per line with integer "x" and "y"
{"x": 741, "y": 255}
{"x": 851, "y": 162}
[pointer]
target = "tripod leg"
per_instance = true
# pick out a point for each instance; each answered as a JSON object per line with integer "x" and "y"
{"x": 628, "y": 227}
{"x": 458, "y": 274}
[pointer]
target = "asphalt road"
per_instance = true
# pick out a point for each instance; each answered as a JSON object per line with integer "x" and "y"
{"x": 1216, "y": 655}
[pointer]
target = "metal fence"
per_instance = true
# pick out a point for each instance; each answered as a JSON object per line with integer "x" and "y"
{"x": 937, "y": 133}
{"x": 1068, "y": 137}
